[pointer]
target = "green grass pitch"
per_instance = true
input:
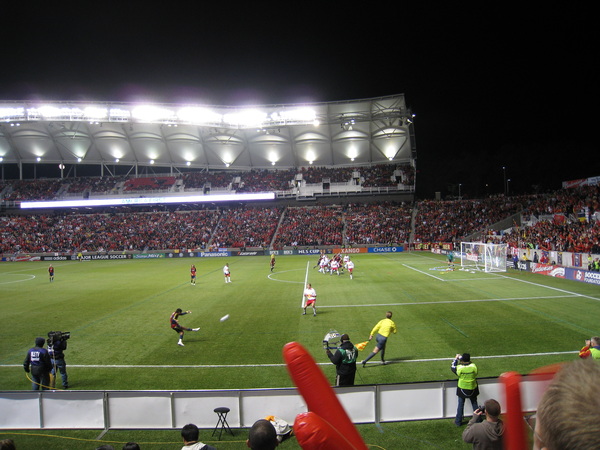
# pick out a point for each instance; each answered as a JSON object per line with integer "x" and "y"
{"x": 118, "y": 311}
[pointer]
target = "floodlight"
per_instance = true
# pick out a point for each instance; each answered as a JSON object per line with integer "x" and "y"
{"x": 198, "y": 115}
{"x": 151, "y": 113}
{"x": 246, "y": 118}
{"x": 95, "y": 113}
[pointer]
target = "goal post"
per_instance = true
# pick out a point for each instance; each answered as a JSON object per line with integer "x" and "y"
{"x": 482, "y": 256}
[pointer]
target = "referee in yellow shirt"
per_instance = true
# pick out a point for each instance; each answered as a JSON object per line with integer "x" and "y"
{"x": 381, "y": 331}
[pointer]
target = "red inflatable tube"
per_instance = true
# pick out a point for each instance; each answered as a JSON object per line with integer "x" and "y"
{"x": 314, "y": 433}
{"x": 321, "y": 400}
{"x": 515, "y": 437}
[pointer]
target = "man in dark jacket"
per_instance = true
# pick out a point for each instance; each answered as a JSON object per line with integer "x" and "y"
{"x": 38, "y": 362}
{"x": 56, "y": 349}
{"x": 344, "y": 359}
{"x": 485, "y": 434}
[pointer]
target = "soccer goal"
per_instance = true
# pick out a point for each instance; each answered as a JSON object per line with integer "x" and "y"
{"x": 480, "y": 256}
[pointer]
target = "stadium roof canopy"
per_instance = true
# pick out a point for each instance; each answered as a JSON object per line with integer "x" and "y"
{"x": 182, "y": 137}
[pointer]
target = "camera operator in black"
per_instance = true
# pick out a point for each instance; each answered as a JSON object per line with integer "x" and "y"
{"x": 344, "y": 359}
{"x": 57, "y": 344}
{"x": 38, "y": 362}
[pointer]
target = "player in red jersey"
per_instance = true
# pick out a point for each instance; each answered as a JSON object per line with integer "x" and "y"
{"x": 175, "y": 325}
{"x": 193, "y": 275}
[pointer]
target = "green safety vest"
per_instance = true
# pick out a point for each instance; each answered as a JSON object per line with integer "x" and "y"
{"x": 349, "y": 356}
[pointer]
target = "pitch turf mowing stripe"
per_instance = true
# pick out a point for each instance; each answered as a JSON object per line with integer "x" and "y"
{"x": 456, "y": 328}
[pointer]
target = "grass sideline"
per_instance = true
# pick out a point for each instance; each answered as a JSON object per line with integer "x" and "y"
{"x": 421, "y": 435}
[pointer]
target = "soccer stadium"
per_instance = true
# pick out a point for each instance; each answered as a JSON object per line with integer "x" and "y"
{"x": 105, "y": 207}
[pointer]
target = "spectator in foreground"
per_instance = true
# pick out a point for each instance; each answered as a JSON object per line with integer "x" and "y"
{"x": 190, "y": 434}
{"x": 488, "y": 433}
{"x": 262, "y": 436}
{"x": 7, "y": 444}
{"x": 591, "y": 349}
{"x": 567, "y": 415}
{"x": 131, "y": 446}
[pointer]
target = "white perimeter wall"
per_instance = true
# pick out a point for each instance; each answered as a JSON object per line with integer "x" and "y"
{"x": 174, "y": 409}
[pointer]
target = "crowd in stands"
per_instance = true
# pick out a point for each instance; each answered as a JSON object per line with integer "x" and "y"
{"x": 317, "y": 174}
{"x": 106, "y": 232}
{"x": 384, "y": 222}
{"x": 565, "y": 220}
{"x": 261, "y": 180}
{"x": 198, "y": 180}
{"x": 255, "y": 180}
{"x": 40, "y": 189}
{"x": 450, "y": 220}
{"x": 310, "y": 226}
{"x": 149, "y": 183}
{"x": 563, "y": 236}
{"x": 247, "y": 227}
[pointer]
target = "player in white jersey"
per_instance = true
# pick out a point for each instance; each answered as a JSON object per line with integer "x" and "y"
{"x": 335, "y": 265}
{"x": 310, "y": 299}
{"x": 350, "y": 267}
{"x": 324, "y": 264}
{"x": 227, "y": 273}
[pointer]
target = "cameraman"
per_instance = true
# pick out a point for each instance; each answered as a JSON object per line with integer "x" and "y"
{"x": 57, "y": 344}
{"x": 344, "y": 359}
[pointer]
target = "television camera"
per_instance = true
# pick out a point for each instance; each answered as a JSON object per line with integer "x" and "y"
{"x": 56, "y": 336}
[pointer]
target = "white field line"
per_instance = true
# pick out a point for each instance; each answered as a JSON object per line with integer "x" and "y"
{"x": 450, "y": 301}
{"x": 271, "y": 276}
{"x": 568, "y": 293}
{"x": 30, "y": 277}
{"x": 488, "y": 277}
{"x": 552, "y": 288}
{"x": 303, "y": 300}
{"x": 218, "y": 366}
{"x": 424, "y": 273}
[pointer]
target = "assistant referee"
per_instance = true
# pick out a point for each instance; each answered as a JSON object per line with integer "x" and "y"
{"x": 381, "y": 331}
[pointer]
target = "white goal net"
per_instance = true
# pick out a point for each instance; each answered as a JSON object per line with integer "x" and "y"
{"x": 480, "y": 256}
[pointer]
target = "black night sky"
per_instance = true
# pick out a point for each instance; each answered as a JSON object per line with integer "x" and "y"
{"x": 491, "y": 86}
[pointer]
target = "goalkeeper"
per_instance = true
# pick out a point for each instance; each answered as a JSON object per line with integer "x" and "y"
{"x": 450, "y": 257}
{"x": 344, "y": 359}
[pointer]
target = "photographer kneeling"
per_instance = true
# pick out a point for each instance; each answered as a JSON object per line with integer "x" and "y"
{"x": 57, "y": 344}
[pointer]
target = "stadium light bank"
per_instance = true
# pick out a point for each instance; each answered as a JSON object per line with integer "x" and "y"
{"x": 221, "y": 116}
